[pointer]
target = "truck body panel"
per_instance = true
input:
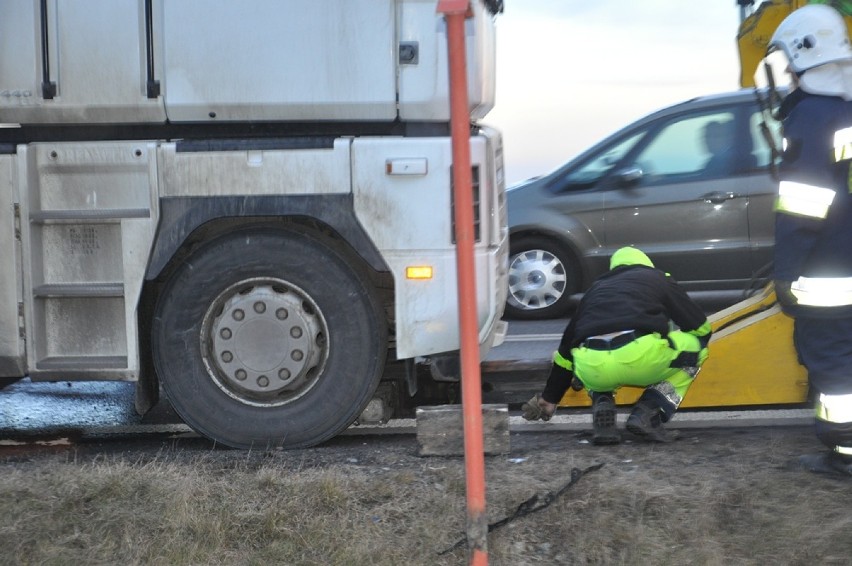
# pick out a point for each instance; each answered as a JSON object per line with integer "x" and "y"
{"x": 12, "y": 350}
{"x": 402, "y": 237}
{"x": 204, "y": 66}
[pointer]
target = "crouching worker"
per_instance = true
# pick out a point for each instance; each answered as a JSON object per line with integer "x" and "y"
{"x": 622, "y": 335}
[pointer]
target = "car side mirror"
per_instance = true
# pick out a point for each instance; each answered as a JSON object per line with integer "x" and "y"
{"x": 629, "y": 175}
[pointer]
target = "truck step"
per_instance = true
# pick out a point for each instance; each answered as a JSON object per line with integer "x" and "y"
{"x": 88, "y": 363}
{"x": 96, "y": 215}
{"x": 80, "y": 290}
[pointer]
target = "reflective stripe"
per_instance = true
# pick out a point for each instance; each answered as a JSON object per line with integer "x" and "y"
{"x": 834, "y": 408}
{"x": 843, "y": 450}
{"x": 803, "y": 200}
{"x": 823, "y": 291}
{"x": 843, "y": 144}
{"x": 668, "y": 391}
{"x": 562, "y": 362}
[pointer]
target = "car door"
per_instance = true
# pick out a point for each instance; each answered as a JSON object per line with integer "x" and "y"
{"x": 574, "y": 203}
{"x": 683, "y": 205}
{"x": 762, "y": 189}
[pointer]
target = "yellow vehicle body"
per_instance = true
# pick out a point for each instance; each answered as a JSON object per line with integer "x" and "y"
{"x": 757, "y": 29}
{"x": 752, "y": 361}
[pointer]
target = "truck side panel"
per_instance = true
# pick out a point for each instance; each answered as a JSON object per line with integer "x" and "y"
{"x": 424, "y": 84}
{"x": 11, "y": 342}
{"x": 96, "y": 60}
{"x": 288, "y": 67}
{"x": 202, "y": 182}
{"x": 403, "y": 198}
{"x": 300, "y": 61}
{"x": 275, "y": 170}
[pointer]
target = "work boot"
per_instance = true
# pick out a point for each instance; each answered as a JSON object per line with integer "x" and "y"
{"x": 826, "y": 463}
{"x": 604, "y": 419}
{"x": 645, "y": 422}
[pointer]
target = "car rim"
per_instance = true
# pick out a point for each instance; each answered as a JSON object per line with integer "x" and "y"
{"x": 537, "y": 279}
{"x": 263, "y": 342}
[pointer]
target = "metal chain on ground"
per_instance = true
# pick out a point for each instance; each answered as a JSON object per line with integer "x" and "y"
{"x": 532, "y": 505}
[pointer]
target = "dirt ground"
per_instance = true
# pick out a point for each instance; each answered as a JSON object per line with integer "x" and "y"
{"x": 715, "y": 496}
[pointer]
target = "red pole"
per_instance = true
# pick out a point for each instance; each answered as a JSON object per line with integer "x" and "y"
{"x": 455, "y": 13}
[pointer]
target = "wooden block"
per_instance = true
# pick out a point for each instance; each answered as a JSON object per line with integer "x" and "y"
{"x": 440, "y": 430}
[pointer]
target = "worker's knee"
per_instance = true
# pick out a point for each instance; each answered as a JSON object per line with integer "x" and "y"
{"x": 682, "y": 341}
{"x": 687, "y": 347}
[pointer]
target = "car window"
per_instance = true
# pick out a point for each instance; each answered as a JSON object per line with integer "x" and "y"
{"x": 594, "y": 169}
{"x": 692, "y": 146}
{"x": 762, "y": 150}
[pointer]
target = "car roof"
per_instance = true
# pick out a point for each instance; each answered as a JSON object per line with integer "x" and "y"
{"x": 697, "y": 103}
{"x": 711, "y": 100}
{"x": 743, "y": 95}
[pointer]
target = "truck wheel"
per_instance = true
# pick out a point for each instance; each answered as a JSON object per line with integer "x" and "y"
{"x": 267, "y": 338}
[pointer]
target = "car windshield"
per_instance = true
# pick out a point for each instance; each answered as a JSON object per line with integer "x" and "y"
{"x": 590, "y": 172}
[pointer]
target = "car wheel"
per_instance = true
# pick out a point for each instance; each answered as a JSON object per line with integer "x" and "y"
{"x": 268, "y": 338}
{"x": 542, "y": 278}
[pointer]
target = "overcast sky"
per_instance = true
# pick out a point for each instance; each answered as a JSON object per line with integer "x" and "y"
{"x": 570, "y": 72}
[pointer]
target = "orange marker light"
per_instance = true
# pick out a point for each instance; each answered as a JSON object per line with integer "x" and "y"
{"x": 418, "y": 272}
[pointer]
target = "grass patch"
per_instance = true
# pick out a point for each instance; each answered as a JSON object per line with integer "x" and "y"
{"x": 711, "y": 500}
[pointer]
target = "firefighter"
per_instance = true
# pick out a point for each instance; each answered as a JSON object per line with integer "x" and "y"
{"x": 622, "y": 335}
{"x": 813, "y": 225}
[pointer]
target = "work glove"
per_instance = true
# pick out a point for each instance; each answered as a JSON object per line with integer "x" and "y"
{"x": 785, "y": 296}
{"x": 533, "y": 410}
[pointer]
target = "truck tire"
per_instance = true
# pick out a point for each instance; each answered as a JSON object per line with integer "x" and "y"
{"x": 268, "y": 339}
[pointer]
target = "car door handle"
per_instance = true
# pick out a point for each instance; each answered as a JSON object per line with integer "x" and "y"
{"x": 718, "y": 198}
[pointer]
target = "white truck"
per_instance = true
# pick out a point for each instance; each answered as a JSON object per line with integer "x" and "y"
{"x": 246, "y": 203}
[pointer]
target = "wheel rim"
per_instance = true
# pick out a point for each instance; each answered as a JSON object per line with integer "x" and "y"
{"x": 264, "y": 342}
{"x": 537, "y": 280}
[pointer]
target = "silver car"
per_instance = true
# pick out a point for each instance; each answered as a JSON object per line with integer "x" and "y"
{"x": 690, "y": 185}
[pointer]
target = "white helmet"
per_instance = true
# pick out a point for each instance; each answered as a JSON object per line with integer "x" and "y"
{"x": 811, "y": 37}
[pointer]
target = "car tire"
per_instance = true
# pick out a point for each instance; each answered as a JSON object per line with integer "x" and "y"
{"x": 542, "y": 277}
{"x": 268, "y": 338}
